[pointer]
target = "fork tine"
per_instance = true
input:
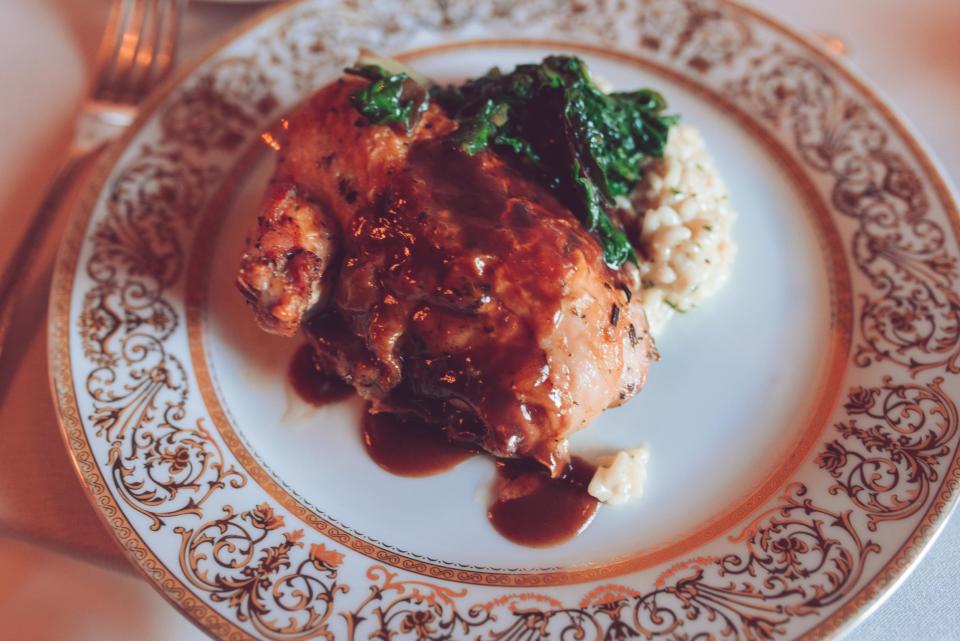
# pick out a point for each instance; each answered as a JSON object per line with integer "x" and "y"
{"x": 168, "y": 47}
{"x": 129, "y": 52}
{"x": 150, "y": 33}
{"x": 164, "y": 43}
{"x": 117, "y": 80}
{"x": 148, "y": 55}
{"x": 110, "y": 44}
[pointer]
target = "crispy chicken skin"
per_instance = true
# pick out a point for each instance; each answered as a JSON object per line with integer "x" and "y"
{"x": 461, "y": 291}
{"x": 287, "y": 271}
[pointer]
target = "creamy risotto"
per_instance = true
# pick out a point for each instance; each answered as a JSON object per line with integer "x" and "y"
{"x": 681, "y": 221}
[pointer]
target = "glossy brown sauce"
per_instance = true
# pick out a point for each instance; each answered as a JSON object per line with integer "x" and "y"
{"x": 449, "y": 280}
{"x": 428, "y": 250}
{"x": 528, "y": 507}
{"x": 404, "y": 445}
{"x": 311, "y": 384}
{"x": 532, "y": 509}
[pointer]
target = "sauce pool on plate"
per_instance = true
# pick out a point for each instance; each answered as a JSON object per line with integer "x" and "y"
{"x": 527, "y": 507}
{"x": 532, "y": 509}
{"x": 404, "y": 445}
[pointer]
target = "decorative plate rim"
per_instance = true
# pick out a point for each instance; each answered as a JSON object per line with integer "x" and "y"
{"x": 858, "y": 605}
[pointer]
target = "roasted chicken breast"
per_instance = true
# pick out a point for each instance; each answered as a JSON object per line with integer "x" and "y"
{"x": 442, "y": 284}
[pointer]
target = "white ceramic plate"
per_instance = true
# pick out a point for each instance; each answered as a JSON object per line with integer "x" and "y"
{"x": 801, "y": 424}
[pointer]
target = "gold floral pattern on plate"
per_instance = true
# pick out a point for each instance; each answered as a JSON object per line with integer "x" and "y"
{"x": 196, "y": 524}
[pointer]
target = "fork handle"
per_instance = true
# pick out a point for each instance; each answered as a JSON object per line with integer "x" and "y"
{"x": 13, "y": 280}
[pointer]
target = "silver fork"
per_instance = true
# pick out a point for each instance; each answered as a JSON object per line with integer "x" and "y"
{"x": 136, "y": 52}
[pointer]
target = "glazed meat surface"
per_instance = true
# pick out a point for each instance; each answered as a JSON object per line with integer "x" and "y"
{"x": 442, "y": 284}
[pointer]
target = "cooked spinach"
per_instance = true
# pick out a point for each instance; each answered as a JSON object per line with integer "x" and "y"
{"x": 389, "y": 99}
{"x": 551, "y": 119}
